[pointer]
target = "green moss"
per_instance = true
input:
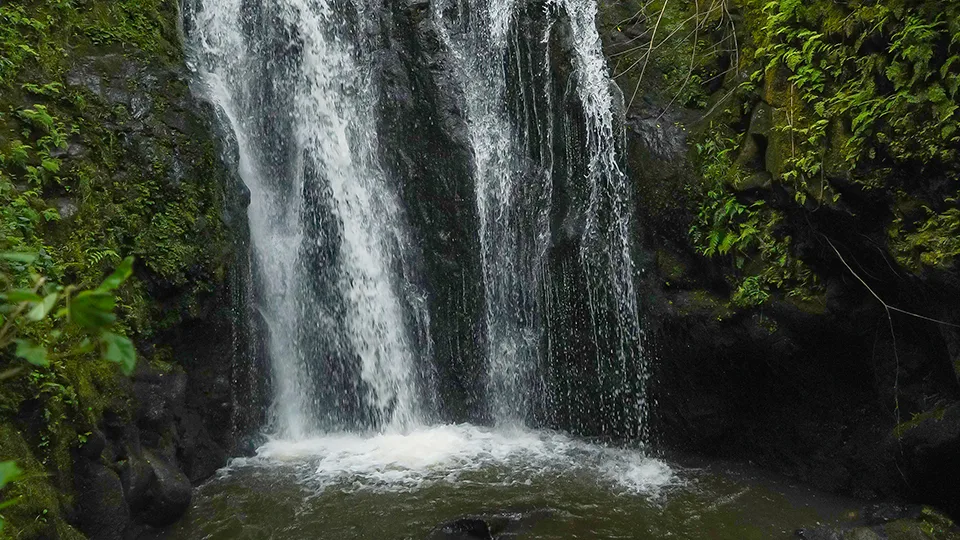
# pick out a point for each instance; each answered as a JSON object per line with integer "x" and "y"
{"x": 700, "y": 302}
{"x": 861, "y": 533}
{"x": 759, "y": 258}
{"x": 918, "y": 419}
{"x": 38, "y": 509}
{"x": 931, "y": 525}
{"x": 932, "y": 241}
{"x": 683, "y": 59}
{"x": 865, "y": 97}
{"x": 137, "y": 186}
{"x": 671, "y": 268}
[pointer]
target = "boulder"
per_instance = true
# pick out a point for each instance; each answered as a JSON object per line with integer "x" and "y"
{"x": 929, "y": 455}
{"x": 889, "y": 522}
{"x": 168, "y": 494}
{"x": 462, "y": 529}
{"x": 101, "y": 507}
{"x": 492, "y": 526}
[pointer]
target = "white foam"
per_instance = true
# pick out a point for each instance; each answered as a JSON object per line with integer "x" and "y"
{"x": 413, "y": 460}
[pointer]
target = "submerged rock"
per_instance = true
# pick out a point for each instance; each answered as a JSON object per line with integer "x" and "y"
{"x": 462, "y": 529}
{"x": 168, "y": 495}
{"x": 890, "y": 522}
{"x": 494, "y": 526}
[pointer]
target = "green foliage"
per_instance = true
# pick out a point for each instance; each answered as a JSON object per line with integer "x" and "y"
{"x": 149, "y": 25}
{"x": 9, "y": 472}
{"x": 89, "y": 311}
{"x": 40, "y": 34}
{"x": 50, "y": 335}
{"x": 932, "y": 242}
{"x": 865, "y": 89}
{"x": 864, "y": 96}
{"x": 684, "y": 41}
{"x": 80, "y": 194}
{"x": 745, "y": 234}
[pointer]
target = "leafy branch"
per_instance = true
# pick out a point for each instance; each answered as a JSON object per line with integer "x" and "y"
{"x": 66, "y": 322}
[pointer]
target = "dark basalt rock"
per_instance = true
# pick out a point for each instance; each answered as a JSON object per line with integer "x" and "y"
{"x": 102, "y": 510}
{"x": 889, "y": 522}
{"x": 928, "y": 452}
{"x": 810, "y": 389}
{"x": 493, "y": 526}
{"x": 168, "y": 493}
{"x": 425, "y": 142}
{"x": 463, "y": 529}
{"x": 138, "y": 470}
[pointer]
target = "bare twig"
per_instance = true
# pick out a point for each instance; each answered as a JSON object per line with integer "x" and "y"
{"x": 693, "y": 58}
{"x": 889, "y": 310}
{"x": 647, "y": 59}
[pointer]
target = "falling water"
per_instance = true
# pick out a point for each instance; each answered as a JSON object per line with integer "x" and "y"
{"x": 339, "y": 285}
{"x": 513, "y": 137}
{"x": 513, "y": 203}
{"x": 327, "y": 231}
{"x": 490, "y": 126}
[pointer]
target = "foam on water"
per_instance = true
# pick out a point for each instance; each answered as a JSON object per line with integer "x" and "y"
{"x": 456, "y": 454}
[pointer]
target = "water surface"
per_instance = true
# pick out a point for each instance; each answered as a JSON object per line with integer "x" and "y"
{"x": 401, "y": 486}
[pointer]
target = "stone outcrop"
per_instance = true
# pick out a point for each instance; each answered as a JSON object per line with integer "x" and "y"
{"x": 824, "y": 390}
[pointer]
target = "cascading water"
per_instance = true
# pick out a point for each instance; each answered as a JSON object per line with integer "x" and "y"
{"x": 385, "y": 143}
{"x": 512, "y": 135}
{"x": 306, "y": 88}
{"x": 341, "y": 305}
{"x": 513, "y": 204}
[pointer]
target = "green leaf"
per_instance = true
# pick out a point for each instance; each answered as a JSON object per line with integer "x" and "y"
{"x": 120, "y": 350}
{"x": 121, "y": 274}
{"x": 42, "y": 308}
{"x": 9, "y": 472}
{"x": 18, "y": 256}
{"x": 93, "y": 309}
{"x": 85, "y": 346}
{"x": 31, "y": 352}
{"x": 51, "y": 164}
{"x": 728, "y": 241}
{"x": 22, "y": 295}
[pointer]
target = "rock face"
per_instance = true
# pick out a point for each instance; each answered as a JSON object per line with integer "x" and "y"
{"x": 892, "y": 522}
{"x": 142, "y": 172}
{"x": 140, "y": 466}
{"x": 426, "y": 144}
{"x": 829, "y": 391}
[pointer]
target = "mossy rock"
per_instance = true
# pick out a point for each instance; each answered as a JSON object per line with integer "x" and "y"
{"x": 931, "y": 525}
{"x": 702, "y": 303}
{"x": 39, "y": 506}
{"x": 135, "y": 170}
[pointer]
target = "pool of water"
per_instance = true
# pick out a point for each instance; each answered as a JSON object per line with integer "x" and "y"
{"x": 402, "y": 486}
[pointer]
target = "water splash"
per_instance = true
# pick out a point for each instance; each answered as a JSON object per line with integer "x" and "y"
{"x": 453, "y": 453}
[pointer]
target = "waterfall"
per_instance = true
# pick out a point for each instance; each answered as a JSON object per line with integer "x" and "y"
{"x": 513, "y": 204}
{"x": 328, "y": 233}
{"x": 513, "y": 133}
{"x": 341, "y": 286}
